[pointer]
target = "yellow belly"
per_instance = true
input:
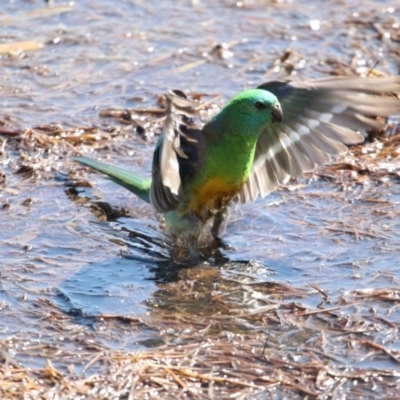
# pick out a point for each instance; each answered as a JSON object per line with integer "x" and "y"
{"x": 212, "y": 196}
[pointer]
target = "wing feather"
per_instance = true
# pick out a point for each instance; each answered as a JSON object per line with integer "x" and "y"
{"x": 320, "y": 117}
{"x": 169, "y": 154}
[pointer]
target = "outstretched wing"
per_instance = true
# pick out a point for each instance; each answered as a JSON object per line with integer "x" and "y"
{"x": 176, "y": 152}
{"x": 320, "y": 117}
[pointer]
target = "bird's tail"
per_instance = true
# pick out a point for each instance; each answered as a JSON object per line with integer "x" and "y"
{"x": 134, "y": 183}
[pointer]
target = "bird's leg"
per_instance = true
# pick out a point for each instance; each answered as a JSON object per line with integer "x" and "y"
{"x": 219, "y": 217}
{"x": 194, "y": 252}
{"x": 191, "y": 236}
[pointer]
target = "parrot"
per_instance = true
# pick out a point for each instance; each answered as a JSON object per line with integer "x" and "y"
{"x": 260, "y": 139}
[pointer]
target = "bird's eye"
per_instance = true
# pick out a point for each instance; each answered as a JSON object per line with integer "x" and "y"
{"x": 260, "y": 105}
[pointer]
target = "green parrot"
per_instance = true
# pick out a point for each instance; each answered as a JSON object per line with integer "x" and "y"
{"x": 260, "y": 139}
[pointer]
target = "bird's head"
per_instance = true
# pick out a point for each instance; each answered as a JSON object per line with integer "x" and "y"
{"x": 249, "y": 112}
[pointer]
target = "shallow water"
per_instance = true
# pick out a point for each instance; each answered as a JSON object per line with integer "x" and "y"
{"x": 59, "y": 261}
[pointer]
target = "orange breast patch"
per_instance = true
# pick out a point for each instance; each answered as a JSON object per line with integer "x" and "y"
{"x": 214, "y": 194}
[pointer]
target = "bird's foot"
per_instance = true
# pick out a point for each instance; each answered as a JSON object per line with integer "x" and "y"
{"x": 185, "y": 255}
{"x": 221, "y": 244}
{"x": 193, "y": 261}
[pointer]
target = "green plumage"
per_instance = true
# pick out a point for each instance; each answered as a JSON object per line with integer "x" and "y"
{"x": 260, "y": 139}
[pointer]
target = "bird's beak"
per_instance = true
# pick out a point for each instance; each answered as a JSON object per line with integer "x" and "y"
{"x": 277, "y": 113}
